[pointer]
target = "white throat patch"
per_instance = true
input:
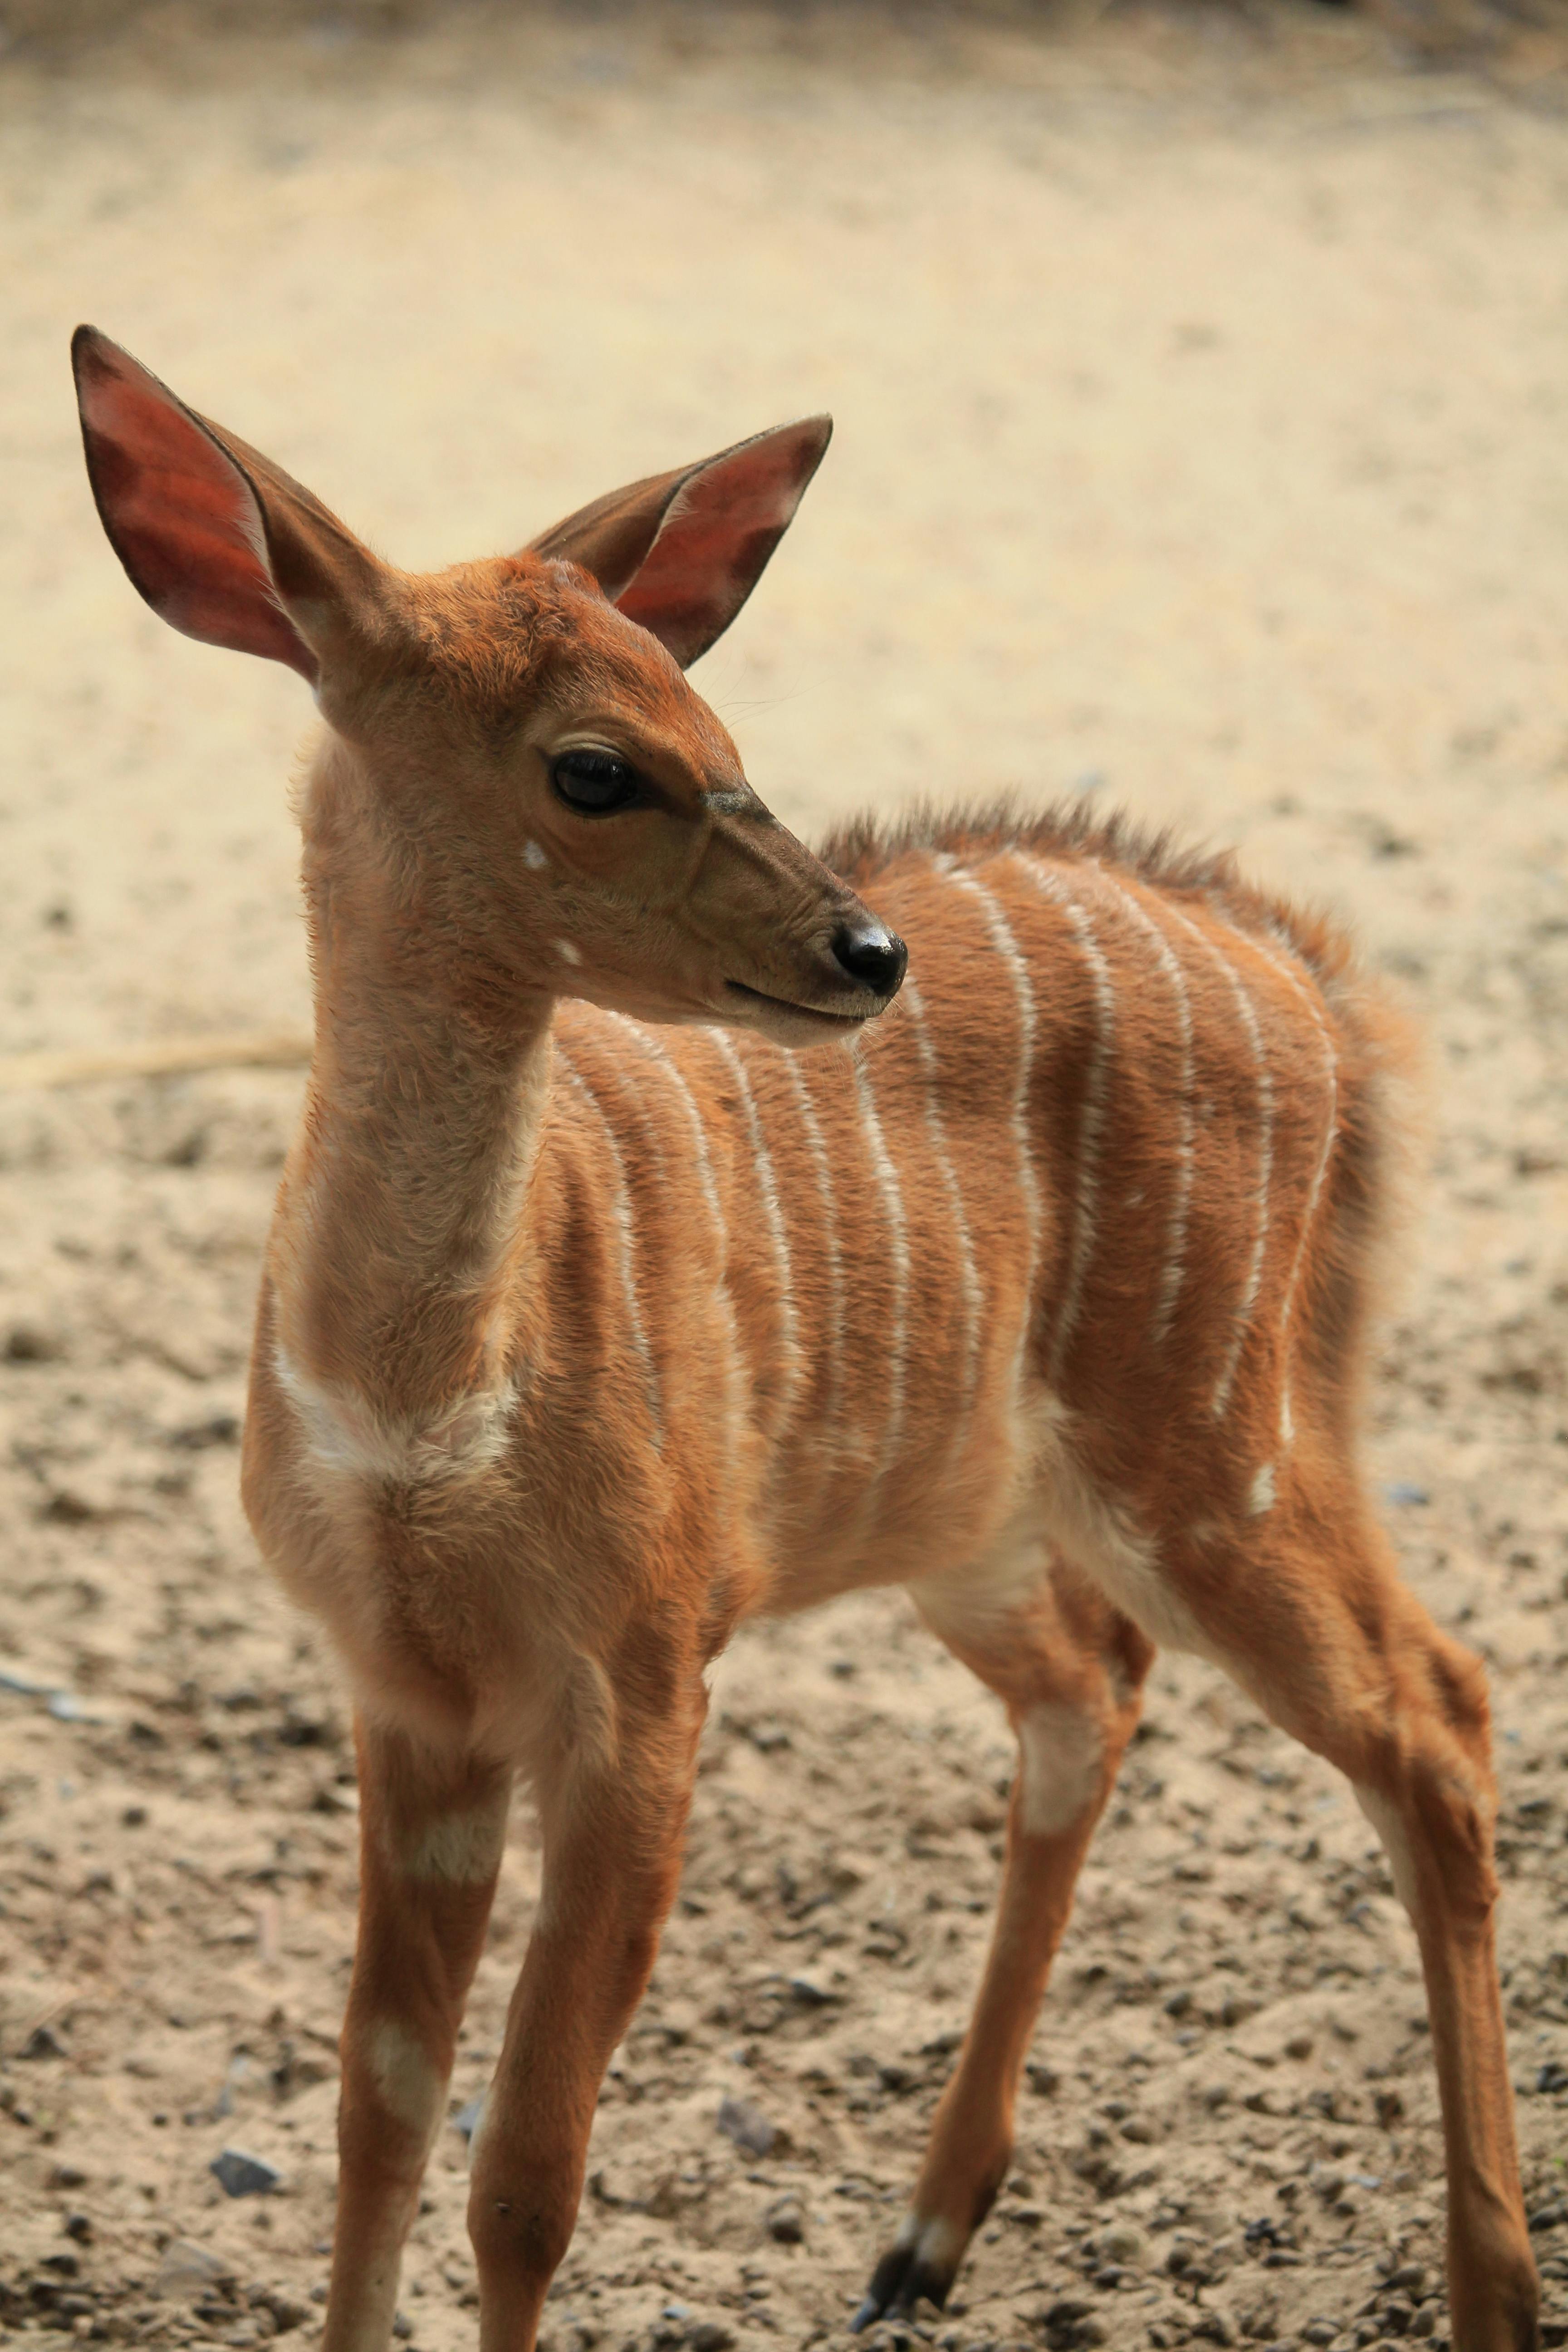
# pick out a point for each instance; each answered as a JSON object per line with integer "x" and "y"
{"x": 347, "y": 1435}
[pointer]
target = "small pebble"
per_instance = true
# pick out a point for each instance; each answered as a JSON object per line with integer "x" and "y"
{"x": 25, "y": 1343}
{"x": 747, "y": 2127}
{"x": 809, "y": 1993}
{"x": 189, "y": 2271}
{"x": 218, "y": 1429}
{"x": 239, "y": 2175}
{"x": 285, "y": 2310}
{"x": 67, "y": 1707}
{"x": 786, "y": 2221}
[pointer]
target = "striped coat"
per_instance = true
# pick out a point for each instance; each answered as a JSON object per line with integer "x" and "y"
{"x": 1116, "y": 1149}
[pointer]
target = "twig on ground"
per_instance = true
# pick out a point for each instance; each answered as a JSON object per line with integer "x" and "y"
{"x": 166, "y": 1057}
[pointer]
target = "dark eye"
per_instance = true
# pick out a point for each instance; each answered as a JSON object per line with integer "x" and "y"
{"x": 595, "y": 782}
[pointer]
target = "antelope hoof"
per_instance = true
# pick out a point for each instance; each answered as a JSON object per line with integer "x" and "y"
{"x": 919, "y": 2266}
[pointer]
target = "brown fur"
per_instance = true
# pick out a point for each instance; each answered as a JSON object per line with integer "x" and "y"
{"x": 582, "y": 1336}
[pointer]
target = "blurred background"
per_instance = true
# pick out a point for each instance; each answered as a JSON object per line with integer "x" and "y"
{"x": 1201, "y": 379}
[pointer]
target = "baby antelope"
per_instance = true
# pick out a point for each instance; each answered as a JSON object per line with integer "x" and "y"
{"x": 599, "y": 1315}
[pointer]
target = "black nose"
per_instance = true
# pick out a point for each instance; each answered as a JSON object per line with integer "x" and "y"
{"x": 872, "y": 956}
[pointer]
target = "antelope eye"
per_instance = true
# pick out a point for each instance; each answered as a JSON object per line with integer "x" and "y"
{"x": 595, "y": 782}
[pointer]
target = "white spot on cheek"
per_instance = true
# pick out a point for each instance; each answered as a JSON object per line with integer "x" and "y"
{"x": 533, "y": 855}
{"x": 567, "y": 953}
{"x": 404, "y": 2073}
{"x": 1063, "y": 1752}
{"x": 1260, "y": 1494}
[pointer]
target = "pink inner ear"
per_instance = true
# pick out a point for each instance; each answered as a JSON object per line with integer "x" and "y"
{"x": 718, "y": 535}
{"x": 181, "y": 515}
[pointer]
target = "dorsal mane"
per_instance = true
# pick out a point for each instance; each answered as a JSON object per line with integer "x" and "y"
{"x": 1071, "y": 829}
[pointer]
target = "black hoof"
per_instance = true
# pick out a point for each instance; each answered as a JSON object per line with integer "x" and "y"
{"x": 901, "y": 2279}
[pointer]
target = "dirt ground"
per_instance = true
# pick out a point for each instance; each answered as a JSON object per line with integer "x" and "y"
{"x": 1202, "y": 391}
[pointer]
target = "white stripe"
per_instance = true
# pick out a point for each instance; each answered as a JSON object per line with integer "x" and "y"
{"x": 899, "y": 1250}
{"x": 1095, "y": 1088}
{"x": 1006, "y": 947}
{"x": 658, "y": 1053}
{"x": 968, "y": 1276}
{"x": 1248, "y": 1013}
{"x": 1285, "y": 965}
{"x": 832, "y": 1401}
{"x": 622, "y": 1213}
{"x": 768, "y": 1186}
{"x": 735, "y": 1358}
{"x": 1174, "y": 1268}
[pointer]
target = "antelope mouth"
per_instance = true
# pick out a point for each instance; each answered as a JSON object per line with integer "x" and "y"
{"x": 794, "y": 1011}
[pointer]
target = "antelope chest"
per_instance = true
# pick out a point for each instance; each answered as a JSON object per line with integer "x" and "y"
{"x": 412, "y": 1537}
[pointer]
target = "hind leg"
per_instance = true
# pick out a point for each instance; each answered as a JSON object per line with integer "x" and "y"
{"x": 1070, "y": 1670}
{"x": 1305, "y": 1607}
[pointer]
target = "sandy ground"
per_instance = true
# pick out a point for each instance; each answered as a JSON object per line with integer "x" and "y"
{"x": 1203, "y": 405}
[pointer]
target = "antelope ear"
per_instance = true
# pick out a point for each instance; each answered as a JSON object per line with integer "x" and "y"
{"x": 680, "y": 554}
{"x": 215, "y": 537}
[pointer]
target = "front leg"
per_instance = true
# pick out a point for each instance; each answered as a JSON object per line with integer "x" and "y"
{"x": 432, "y": 1827}
{"x": 613, "y": 1835}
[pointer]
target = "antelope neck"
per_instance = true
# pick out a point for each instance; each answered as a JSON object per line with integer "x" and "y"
{"x": 404, "y": 1208}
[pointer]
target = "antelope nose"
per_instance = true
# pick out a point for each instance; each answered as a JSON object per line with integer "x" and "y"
{"x": 872, "y": 956}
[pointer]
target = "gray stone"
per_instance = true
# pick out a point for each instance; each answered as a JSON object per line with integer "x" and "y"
{"x": 239, "y": 2175}
{"x": 786, "y": 2221}
{"x": 285, "y": 2310}
{"x": 747, "y": 2127}
{"x": 188, "y": 2271}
